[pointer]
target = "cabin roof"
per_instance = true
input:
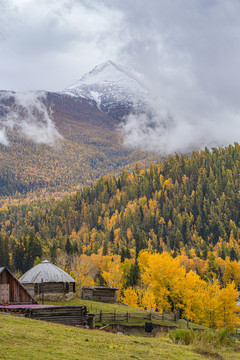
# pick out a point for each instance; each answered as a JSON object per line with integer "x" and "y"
{"x": 99, "y": 287}
{"x": 1, "y": 269}
{"x": 45, "y": 272}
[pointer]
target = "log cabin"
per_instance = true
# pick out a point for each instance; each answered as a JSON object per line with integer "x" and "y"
{"x": 99, "y": 293}
{"x": 12, "y": 292}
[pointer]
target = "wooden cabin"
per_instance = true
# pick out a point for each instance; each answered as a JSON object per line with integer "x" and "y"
{"x": 47, "y": 278}
{"x": 12, "y": 292}
{"x": 99, "y": 293}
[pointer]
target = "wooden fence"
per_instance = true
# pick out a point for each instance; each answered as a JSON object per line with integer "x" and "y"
{"x": 102, "y": 316}
{"x": 237, "y": 333}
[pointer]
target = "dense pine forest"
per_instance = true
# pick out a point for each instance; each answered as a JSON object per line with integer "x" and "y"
{"x": 187, "y": 203}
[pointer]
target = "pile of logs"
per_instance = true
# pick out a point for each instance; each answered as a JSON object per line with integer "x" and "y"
{"x": 67, "y": 315}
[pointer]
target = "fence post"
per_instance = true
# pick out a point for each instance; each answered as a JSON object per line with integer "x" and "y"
{"x": 114, "y": 316}
{"x": 175, "y": 316}
{"x": 127, "y": 315}
{"x": 188, "y": 324}
{"x": 100, "y": 315}
{"x": 162, "y": 315}
{"x": 150, "y": 315}
{"x": 42, "y": 292}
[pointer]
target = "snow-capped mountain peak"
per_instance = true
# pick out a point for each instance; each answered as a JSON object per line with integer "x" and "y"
{"x": 110, "y": 84}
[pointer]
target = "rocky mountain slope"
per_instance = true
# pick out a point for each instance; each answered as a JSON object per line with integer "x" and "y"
{"x": 69, "y": 138}
{"x": 109, "y": 86}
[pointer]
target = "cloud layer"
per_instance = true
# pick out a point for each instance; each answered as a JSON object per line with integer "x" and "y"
{"x": 190, "y": 53}
{"x": 188, "y": 50}
{"x": 49, "y": 44}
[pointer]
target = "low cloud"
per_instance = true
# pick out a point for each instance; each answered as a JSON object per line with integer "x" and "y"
{"x": 27, "y": 114}
{"x": 3, "y": 137}
{"x": 163, "y": 131}
{"x": 190, "y": 55}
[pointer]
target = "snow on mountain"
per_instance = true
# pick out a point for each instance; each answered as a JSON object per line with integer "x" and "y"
{"x": 110, "y": 85}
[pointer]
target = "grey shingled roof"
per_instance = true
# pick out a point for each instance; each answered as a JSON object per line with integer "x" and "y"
{"x": 46, "y": 272}
{"x": 99, "y": 287}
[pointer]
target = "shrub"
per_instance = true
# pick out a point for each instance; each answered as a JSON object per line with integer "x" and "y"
{"x": 204, "y": 338}
{"x": 181, "y": 336}
{"x": 218, "y": 337}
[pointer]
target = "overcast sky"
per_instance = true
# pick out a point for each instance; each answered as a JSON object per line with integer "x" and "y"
{"x": 189, "y": 50}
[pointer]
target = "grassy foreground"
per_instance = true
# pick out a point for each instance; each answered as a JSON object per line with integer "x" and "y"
{"x": 22, "y": 338}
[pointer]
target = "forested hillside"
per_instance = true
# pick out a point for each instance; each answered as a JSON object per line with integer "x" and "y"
{"x": 186, "y": 204}
{"x": 27, "y": 167}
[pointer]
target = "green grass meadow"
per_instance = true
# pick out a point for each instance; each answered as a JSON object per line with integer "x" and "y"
{"x": 22, "y": 338}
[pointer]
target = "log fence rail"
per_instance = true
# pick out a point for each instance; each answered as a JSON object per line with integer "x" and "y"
{"x": 113, "y": 316}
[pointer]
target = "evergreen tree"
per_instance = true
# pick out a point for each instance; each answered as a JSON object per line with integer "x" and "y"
{"x": 134, "y": 275}
{"x": 4, "y": 251}
{"x": 105, "y": 248}
{"x": 68, "y": 247}
{"x": 233, "y": 255}
{"x": 111, "y": 236}
{"x": 75, "y": 247}
{"x": 53, "y": 252}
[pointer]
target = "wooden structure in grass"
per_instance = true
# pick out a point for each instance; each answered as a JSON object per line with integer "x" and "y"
{"x": 12, "y": 292}
{"x": 48, "y": 279}
{"x": 67, "y": 315}
{"x": 99, "y": 293}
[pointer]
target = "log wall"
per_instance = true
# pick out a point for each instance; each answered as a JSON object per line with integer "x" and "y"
{"x": 12, "y": 291}
{"x": 101, "y": 294}
{"x": 67, "y": 315}
{"x": 50, "y": 288}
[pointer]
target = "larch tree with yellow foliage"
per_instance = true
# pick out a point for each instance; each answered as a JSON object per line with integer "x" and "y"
{"x": 232, "y": 272}
{"x": 162, "y": 274}
{"x": 111, "y": 271}
{"x": 83, "y": 270}
{"x": 228, "y": 308}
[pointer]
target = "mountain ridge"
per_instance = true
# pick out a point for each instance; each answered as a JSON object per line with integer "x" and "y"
{"x": 72, "y": 123}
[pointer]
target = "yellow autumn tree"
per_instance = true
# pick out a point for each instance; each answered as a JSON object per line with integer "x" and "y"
{"x": 232, "y": 272}
{"x": 192, "y": 286}
{"x": 83, "y": 271}
{"x": 139, "y": 298}
{"x": 208, "y": 311}
{"x": 146, "y": 299}
{"x": 130, "y": 297}
{"x": 162, "y": 274}
{"x": 111, "y": 271}
{"x": 227, "y": 308}
{"x": 217, "y": 306}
